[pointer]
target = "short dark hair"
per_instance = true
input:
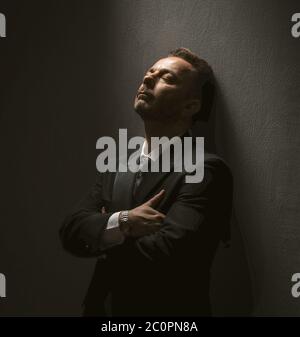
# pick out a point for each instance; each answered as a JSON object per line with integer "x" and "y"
{"x": 205, "y": 83}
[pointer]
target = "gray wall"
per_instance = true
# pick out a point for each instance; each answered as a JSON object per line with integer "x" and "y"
{"x": 70, "y": 76}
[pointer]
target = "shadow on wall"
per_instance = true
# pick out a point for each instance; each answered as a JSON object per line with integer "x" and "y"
{"x": 231, "y": 288}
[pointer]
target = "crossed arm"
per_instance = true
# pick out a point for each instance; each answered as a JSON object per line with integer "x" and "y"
{"x": 198, "y": 208}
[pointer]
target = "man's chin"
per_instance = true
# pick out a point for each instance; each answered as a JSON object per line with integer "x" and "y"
{"x": 142, "y": 113}
{"x": 146, "y": 111}
{"x": 142, "y": 108}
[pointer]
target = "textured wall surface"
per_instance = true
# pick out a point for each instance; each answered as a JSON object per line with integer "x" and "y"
{"x": 70, "y": 69}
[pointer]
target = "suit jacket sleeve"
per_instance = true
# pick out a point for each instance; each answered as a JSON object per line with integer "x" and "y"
{"x": 82, "y": 229}
{"x": 198, "y": 219}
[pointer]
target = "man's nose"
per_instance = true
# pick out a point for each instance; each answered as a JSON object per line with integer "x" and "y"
{"x": 149, "y": 81}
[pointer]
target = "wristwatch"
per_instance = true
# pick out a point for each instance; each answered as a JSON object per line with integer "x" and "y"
{"x": 124, "y": 223}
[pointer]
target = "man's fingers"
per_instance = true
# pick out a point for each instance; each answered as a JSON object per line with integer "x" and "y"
{"x": 159, "y": 216}
{"x": 151, "y": 211}
{"x": 156, "y": 215}
{"x": 154, "y": 218}
{"x": 156, "y": 199}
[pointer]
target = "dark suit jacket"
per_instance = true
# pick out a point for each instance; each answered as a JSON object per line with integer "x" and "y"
{"x": 166, "y": 273}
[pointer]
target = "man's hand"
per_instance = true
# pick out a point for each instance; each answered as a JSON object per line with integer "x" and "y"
{"x": 144, "y": 219}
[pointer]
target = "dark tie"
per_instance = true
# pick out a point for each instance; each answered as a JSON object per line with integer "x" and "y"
{"x": 140, "y": 175}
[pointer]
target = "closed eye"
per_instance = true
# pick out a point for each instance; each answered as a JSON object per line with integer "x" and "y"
{"x": 168, "y": 77}
{"x": 165, "y": 74}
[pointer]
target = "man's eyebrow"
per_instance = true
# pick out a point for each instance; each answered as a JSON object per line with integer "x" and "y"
{"x": 164, "y": 70}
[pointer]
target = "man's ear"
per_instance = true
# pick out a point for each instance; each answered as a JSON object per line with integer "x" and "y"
{"x": 192, "y": 107}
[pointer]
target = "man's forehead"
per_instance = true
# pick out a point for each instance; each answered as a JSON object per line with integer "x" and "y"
{"x": 176, "y": 64}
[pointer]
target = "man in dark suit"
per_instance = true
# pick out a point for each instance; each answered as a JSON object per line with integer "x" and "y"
{"x": 155, "y": 235}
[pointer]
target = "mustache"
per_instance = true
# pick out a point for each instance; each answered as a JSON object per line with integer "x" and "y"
{"x": 144, "y": 92}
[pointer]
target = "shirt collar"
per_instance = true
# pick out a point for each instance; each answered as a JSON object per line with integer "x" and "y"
{"x": 154, "y": 154}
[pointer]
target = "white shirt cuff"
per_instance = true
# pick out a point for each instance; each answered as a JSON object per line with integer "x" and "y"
{"x": 112, "y": 235}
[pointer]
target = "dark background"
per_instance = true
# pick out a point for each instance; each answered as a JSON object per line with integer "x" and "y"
{"x": 69, "y": 71}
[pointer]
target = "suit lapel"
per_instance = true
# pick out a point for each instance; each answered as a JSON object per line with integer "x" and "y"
{"x": 149, "y": 184}
{"x": 122, "y": 191}
{"x": 123, "y": 185}
{"x": 123, "y": 188}
{"x": 152, "y": 181}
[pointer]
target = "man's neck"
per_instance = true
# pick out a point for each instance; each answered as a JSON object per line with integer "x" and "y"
{"x": 163, "y": 129}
